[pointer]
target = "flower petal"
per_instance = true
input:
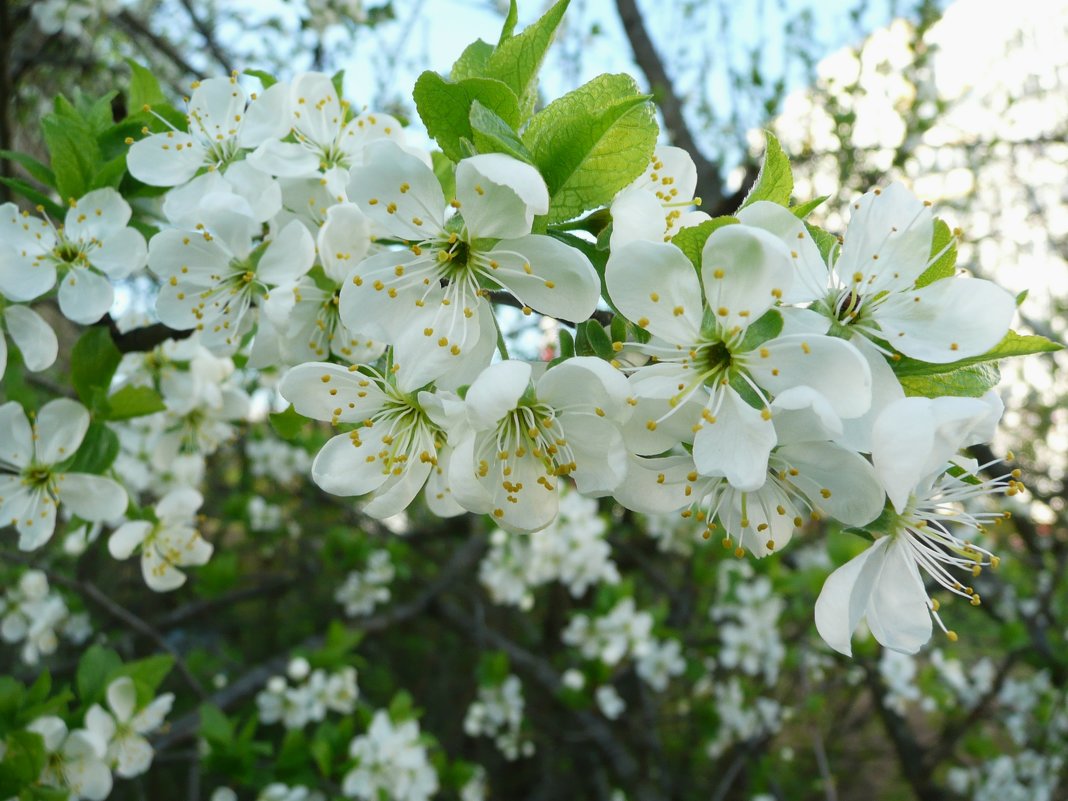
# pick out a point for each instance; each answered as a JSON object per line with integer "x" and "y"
{"x": 499, "y": 196}
{"x": 811, "y": 274}
{"x": 122, "y": 698}
{"x": 343, "y": 240}
{"x": 33, "y": 336}
{"x": 99, "y": 215}
{"x": 85, "y": 296}
{"x": 547, "y": 275}
{"x": 289, "y": 255}
{"x": 128, "y": 537}
{"x": 350, "y": 465}
{"x": 92, "y": 497}
{"x": 496, "y": 392}
{"x": 838, "y": 481}
{"x": 166, "y": 159}
{"x": 737, "y": 445}
{"x": 954, "y": 318}
{"x": 325, "y": 391}
{"x": 898, "y": 613}
{"x": 61, "y": 427}
{"x": 655, "y": 286}
{"x": 16, "y": 448}
{"x": 744, "y": 271}
{"x": 122, "y": 253}
{"x": 844, "y": 598}
{"x": 637, "y": 216}
{"x": 398, "y": 191}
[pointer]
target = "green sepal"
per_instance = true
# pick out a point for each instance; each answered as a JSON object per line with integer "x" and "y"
{"x": 768, "y": 326}
{"x": 943, "y": 245}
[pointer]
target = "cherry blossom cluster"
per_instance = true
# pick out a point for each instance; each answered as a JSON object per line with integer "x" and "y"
{"x": 749, "y": 384}
{"x": 312, "y": 694}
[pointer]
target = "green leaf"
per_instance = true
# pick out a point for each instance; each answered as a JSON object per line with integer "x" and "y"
{"x": 775, "y": 181}
{"x": 37, "y": 170}
{"x": 825, "y": 240}
{"x": 73, "y": 151}
{"x": 24, "y": 759}
{"x": 1012, "y": 345}
{"x": 493, "y": 135}
{"x": 35, "y": 196}
{"x": 214, "y": 725}
{"x": 802, "y": 210}
{"x": 567, "y": 344}
{"x": 944, "y": 247}
{"x": 472, "y": 62}
{"x": 148, "y": 673}
{"x": 264, "y": 78}
{"x": 96, "y": 112}
{"x": 288, "y": 424}
{"x": 493, "y": 669}
{"x": 97, "y": 452}
{"x": 691, "y": 241}
{"x": 445, "y": 172}
{"x": 591, "y": 143}
{"x": 445, "y": 107}
{"x": 94, "y": 670}
{"x": 338, "y": 80}
{"x": 969, "y": 382}
{"x": 600, "y": 342}
{"x": 131, "y": 401}
{"x": 517, "y": 59}
{"x": 94, "y": 360}
{"x": 110, "y": 174}
{"x": 767, "y": 327}
{"x": 509, "y": 22}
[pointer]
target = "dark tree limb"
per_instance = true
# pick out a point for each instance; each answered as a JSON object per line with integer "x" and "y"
{"x": 208, "y": 35}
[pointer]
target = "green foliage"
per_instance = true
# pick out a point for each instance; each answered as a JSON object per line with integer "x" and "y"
{"x": 97, "y": 667}
{"x": 802, "y": 210}
{"x": 971, "y": 381}
{"x": 767, "y": 327}
{"x": 775, "y": 181}
{"x": 133, "y": 401}
{"x": 944, "y": 247}
{"x": 518, "y": 58}
{"x": 94, "y": 360}
{"x": 288, "y": 424}
{"x": 445, "y": 108}
{"x": 592, "y": 340}
{"x": 591, "y": 143}
{"x": 97, "y": 452}
{"x": 24, "y": 759}
{"x": 144, "y": 89}
{"x": 1012, "y": 345}
{"x": 472, "y": 62}
{"x": 491, "y": 134}
{"x": 38, "y": 171}
{"x": 691, "y": 241}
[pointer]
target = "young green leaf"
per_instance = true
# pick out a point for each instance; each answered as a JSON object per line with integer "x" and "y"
{"x": 38, "y": 171}
{"x": 775, "y": 181}
{"x": 73, "y": 151}
{"x": 971, "y": 381}
{"x": 802, "y": 210}
{"x": 943, "y": 255}
{"x": 1012, "y": 345}
{"x": 591, "y": 143}
{"x": 517, "y": 58}
{"x": 94, "y": 671}
{"x": 133, "y": 401}
{"x": 472, "y": 62}
{"x": 35, "y": 196}
{"x": 509, "y": 22}
{"x": 445, "y": 107}
{"x": 287, "y": 424}
{"x": 94, "y": 360}
{"x": 144, "y": 87}
{"x": 493, "y": 135}
{"x": 97, "y": 452}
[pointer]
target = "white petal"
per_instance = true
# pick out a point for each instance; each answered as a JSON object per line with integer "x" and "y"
{"x": 897, "y": 612}
{"x": 122, "y": 253}
{"x": 398, "y": 191}
{"x": 151, "y": 717}
{"x": 838, "y": 481}
{"x": 655, "y": 286}
{"x": 637, "y": 216}
{"x": 888, "y": 241}
{"x": 179, "y": 505}
{"x": 589, "y": 381}
{"x": 398, "y": 492}
{"x": 356, "y": 397}
{"x": 133, "y": 755}
{"x": 122, "y": 698}
{"x": 343, "y": 240}
{"x": 475, "y": 358}
{"x": 191, "y": 257}
{"x": 262, "y": 193}
{"x": 496, "y": 392}
{"x": 52, "y": 730}
{"x": 16, "y": 448}
{"x": 99, "y": 723}
{"x": 737, "y": 445}
{"x": 85, "y": 296}
{"x": 560, "y": 282}
{"x": 128, "y": 537}
{"x": 655, "y": 486}
{"x": 166, "y": 159}
{"x": 367, "y": 305}
{"x": 215, "y": 109}
{"x": 439, "y": 344}
{"x": 3, "y": 354}
{"x": 289, "y": 255}
{"x": 99, "y": 214}
{"x": 349, "y": 465}
{"x": 843, "y": 600}
{"x": 33, "y": 336}
{"x": 315, "y": 107}
{"x": 600, "y": 456}
{"x": 372, "y": 126}
{"x": 955, "y": 318}
{"x": 885, "y": 389}
{"x": 284, "y": 159}
{"x": 38, "y": 522}
{"x": 467, "y": 491}
{"x": 744, "y": 271}
{"x": 159, "y": 574}
{"x": 92, "y": 497}
{"x": 499, "y": 195}
{"x": 811, "y": 274}
{"x": 61, "y": 427}
{"x": 265, "y": 117}
{"x": 829, "y": 365}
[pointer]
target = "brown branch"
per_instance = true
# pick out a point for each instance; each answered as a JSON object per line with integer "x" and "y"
{"x": 709, "y": 180}
{"x": 137, "y": 28}
{"x": 208, "y": 35}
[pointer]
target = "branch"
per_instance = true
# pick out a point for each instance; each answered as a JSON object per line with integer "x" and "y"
{"x": 136, "y": 27}
{"x": 709, "y": 180}
{"x": 208, "y": 35}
